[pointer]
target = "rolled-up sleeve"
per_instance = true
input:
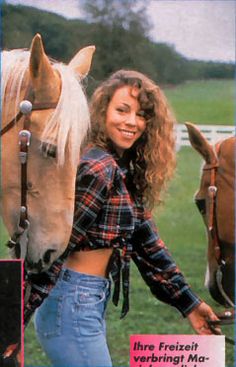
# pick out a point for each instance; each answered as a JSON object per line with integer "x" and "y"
{"x": 159, "y": 270}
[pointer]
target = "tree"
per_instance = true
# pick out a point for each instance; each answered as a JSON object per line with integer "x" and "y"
{"x": 127, "y": 14}
{"x": 118, "y": 29}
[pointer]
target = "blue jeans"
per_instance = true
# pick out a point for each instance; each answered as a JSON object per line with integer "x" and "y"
{"x": 70, "y": 323}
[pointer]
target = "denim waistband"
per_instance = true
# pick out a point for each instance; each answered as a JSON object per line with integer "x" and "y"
{"x": 75, "y": 277}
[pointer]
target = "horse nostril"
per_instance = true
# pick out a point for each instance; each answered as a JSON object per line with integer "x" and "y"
{"x": 47, "y": 256}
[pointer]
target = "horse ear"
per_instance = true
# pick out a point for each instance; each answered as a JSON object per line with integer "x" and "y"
{"x": 200, "y": 143}
{"x": 81, "y": 62}
{"x": 41, "y": 71}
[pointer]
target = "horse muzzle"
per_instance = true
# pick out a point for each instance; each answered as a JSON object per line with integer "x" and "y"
{"x": 221, "y": 287}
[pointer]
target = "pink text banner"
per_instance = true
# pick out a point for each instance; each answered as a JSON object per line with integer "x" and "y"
{"x": 177, "y": 351}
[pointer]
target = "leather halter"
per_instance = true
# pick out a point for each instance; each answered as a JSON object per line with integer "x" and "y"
{"x": 212, "y": 225}
{"x": 227, "y": 317}
{"x": 212, "y": 191}
{"x": 24, "y": 143}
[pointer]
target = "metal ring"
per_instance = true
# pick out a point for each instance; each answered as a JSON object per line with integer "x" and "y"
{"x": 212, "y": 189}
{"x": 26, "y": 107}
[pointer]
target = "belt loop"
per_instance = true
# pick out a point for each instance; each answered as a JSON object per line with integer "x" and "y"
{"x": 66, "y": 275}
{"x": 61, "y": 274}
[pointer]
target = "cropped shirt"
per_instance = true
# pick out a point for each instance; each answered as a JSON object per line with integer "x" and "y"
{"x": 107, "y": 215}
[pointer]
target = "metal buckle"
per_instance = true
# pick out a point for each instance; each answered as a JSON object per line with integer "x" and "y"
{"x": 22, "y": 209}
{"x": 24, "y": 137}
{"x": 212, "y": 190}
{"x": 23, "y": 157}
{"x": 24, "y": 142}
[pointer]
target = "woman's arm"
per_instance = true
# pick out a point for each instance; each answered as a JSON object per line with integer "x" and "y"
{"x": 164, "y": 278}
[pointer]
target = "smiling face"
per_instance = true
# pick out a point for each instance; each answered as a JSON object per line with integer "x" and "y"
{"x": 125, "y": 120}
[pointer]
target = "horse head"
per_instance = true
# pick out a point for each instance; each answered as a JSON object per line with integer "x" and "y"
{"x": 215, "y": 200}
{"x": 49, "y": 140}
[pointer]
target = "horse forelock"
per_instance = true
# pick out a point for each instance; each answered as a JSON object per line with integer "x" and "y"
{"x": 67, "y": 126}
{"x": 70, "y": 120}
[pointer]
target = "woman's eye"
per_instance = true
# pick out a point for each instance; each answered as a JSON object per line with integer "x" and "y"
{"x": 119, "y": 109}
{"x": 141, "y": 114}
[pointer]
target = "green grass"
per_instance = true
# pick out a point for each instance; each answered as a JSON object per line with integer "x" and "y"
{"x": 203, "y": 102}
{"x": 3, "y": 241}
{"x": 182, "y": 229}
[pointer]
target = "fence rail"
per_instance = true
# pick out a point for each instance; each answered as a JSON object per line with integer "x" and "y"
{"x": 213, "y": 133}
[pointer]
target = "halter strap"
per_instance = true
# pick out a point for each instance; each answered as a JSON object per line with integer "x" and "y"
{"x": 212, "y": 224}
{"x": 212, "y": 191}
{"x": 225, "y": 318}
{"x": 21, "y": 235}
{"x": 11, "y": 123}
{"x": 36, "y": 107}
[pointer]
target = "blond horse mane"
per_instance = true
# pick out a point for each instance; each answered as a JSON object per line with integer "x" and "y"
{"x": 69, "y": 123}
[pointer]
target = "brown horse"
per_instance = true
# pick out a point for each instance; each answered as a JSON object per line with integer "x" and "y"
{"x": 40, "y": 149}
{"x": 216, "y": 202}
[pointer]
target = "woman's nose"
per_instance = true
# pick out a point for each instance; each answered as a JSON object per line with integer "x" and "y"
{"x": 131, "y": 119}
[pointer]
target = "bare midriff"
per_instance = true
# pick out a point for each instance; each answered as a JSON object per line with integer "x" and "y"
{"x": 94, "y": 262}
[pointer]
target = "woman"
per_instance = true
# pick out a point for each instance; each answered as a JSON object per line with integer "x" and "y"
{"x": 123, "y": 170}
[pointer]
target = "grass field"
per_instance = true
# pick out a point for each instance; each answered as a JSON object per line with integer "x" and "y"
{"x": 180, "y": 226}
{"x": 3, "y": 240}
{"x": 204, "y": 102}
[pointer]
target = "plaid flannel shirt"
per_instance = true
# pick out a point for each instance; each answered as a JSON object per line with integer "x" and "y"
{"x": 106, "y": 216}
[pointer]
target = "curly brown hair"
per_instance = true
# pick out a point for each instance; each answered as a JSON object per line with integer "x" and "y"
{"x": 153, "y": 155}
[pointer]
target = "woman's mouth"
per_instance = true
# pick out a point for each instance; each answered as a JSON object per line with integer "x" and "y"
{"x": 127, "y": 133}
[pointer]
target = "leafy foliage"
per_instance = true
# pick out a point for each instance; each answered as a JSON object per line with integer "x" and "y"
{"x": 120, "y": 34}
{"x": 129, "y": 15}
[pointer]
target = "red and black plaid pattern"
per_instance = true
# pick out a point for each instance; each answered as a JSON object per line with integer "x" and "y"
{"x": 103, "y": 209}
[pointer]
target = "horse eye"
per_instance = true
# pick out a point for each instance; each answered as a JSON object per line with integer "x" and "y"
{"x": 49, "y": 150}
{"x": 201, "y": 205}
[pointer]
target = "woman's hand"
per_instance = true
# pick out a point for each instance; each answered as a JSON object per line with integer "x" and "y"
{"x": 10, "y": 349}
{"x": 198, "y": 320}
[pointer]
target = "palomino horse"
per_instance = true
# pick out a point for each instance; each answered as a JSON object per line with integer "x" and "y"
{"x": 40, "y": 149}
{"x": 216, "y": 202}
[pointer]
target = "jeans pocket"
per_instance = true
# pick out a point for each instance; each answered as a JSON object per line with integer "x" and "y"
{"x": 89, "y": 311}
{"x": 48, "y": 317}
{"x": 89, "y": 297}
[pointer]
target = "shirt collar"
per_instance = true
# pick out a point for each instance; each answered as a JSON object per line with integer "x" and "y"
{"x": 124, "y": 161}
